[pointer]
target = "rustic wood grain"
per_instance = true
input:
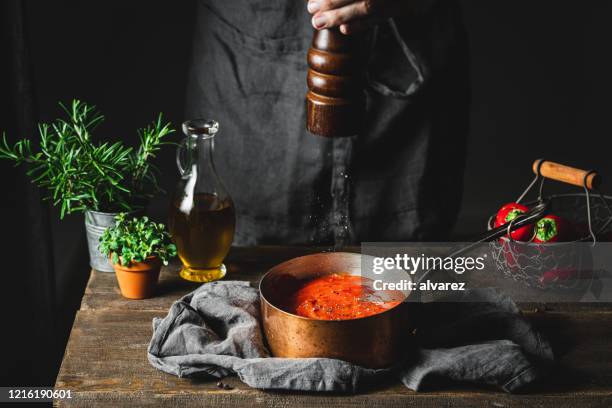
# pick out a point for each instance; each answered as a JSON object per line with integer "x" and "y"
{"x": 105, "y": 361}
{"x": 567, "y": 174}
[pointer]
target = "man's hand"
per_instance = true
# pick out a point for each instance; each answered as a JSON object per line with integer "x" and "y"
{"x": 355, "y": 15}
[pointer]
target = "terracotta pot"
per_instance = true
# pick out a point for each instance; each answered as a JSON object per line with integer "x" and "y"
{"x": 139, "y": 280}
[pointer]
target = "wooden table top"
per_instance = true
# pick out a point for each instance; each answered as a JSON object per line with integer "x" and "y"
{"x": 105, "y": 362}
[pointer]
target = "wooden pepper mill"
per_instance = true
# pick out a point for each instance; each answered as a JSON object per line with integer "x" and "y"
{"x": 335, "y": 102}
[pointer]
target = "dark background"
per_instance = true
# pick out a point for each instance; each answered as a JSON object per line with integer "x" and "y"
{"x": 540, "y": 80}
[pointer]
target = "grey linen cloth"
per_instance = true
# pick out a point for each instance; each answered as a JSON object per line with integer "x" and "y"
{"x": 215, "y": 332}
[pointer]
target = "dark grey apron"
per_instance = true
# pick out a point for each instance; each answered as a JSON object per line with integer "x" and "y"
{"x": 400, "y": 179}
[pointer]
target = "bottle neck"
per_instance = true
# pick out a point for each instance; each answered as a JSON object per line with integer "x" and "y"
{"x": 203, "y": 156}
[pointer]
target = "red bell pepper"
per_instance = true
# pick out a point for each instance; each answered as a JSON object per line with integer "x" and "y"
{"x": 509, "y": 212}
{"x": 552, "y": 228}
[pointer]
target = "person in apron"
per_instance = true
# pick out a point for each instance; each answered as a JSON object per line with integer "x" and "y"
{"x": 400, "y": 179}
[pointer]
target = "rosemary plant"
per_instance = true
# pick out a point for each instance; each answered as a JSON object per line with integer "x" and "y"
{"x": 80, "y": 174}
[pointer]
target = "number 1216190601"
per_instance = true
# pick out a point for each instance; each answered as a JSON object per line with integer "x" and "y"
{"x": 33, "y": 394}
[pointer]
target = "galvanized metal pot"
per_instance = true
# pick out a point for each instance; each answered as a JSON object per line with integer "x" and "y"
{"x": 95, "y": 224}
{"x": 376, "y": 341}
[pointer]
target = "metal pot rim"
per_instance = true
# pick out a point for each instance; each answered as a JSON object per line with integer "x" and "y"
{"x": 103, "y": 212}
{"x": 320, "y": 321}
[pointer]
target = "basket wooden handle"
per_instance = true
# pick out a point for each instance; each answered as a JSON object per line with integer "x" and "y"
{"x": 566, "y": 174}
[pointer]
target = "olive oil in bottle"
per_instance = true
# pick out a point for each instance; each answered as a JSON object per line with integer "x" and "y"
{"x": 202, "y": 217}
{"x": 203, "y": 236}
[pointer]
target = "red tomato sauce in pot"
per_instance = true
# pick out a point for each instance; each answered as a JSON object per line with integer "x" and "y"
{"x": 341, "y": 297}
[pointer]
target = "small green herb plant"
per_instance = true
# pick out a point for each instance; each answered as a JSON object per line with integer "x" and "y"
{"x": 80, "y": 174}
{"x": 136, "y": 239}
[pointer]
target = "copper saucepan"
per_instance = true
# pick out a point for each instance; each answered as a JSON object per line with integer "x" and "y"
{"x": 376, "y": 341}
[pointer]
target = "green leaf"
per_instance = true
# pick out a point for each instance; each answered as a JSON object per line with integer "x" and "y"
{"x": 79, "y": 174}
{"x": 136, "y": 239}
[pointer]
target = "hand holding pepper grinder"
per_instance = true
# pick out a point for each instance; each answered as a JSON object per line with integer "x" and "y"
{"x": 337, "y": 60}
{"x": 335, "y": 101}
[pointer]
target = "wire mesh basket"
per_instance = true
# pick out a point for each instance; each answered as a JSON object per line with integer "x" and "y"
{"x": 559, "y": 265}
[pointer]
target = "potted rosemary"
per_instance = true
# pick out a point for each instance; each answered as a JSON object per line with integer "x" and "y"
{"x": 100, "y": 179}
{"x": 137, "y": 247}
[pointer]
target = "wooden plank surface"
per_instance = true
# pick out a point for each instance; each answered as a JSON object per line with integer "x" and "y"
{"x": 105, "y": 361}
